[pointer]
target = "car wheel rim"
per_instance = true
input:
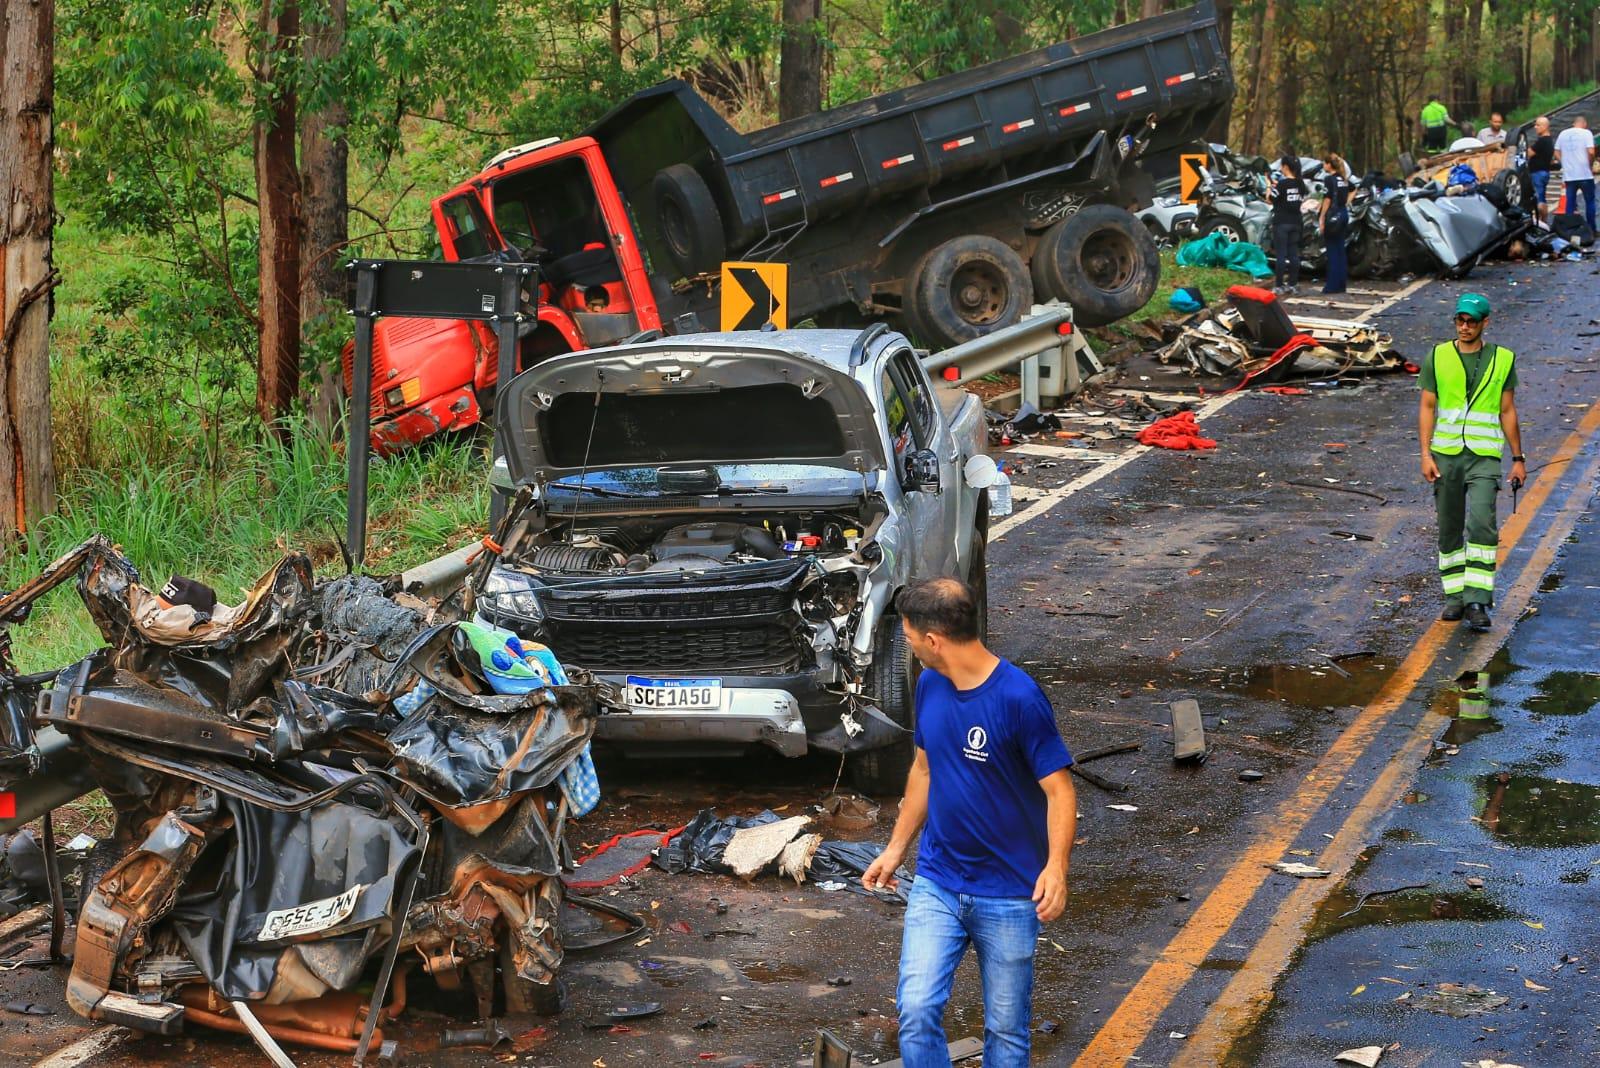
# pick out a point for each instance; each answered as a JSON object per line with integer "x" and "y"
{"x": 980, "y": 292}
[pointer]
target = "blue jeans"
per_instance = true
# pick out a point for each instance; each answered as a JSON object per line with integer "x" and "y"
{"x": 1587, "y": 189}
{"x": 1541, "y": 185}
{"x": 938, "y": 927}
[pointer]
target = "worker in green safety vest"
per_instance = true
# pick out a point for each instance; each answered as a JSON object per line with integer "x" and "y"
{"x": 1468, "y": 415}
{"x": 1436, "y": 123}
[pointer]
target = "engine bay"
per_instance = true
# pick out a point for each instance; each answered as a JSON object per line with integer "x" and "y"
{"x": 632, "y": 547}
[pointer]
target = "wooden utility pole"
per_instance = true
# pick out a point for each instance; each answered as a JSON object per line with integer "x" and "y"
{"x": 800, "y": 60}
{"x": 27, "y": 86}
{"x": 278, "y": 213}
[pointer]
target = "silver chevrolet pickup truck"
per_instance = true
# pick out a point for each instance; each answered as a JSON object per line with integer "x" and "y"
{"x": 718, "y": 524}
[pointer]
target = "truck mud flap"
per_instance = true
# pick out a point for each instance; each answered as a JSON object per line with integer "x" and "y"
{"x": 876, "y": 731}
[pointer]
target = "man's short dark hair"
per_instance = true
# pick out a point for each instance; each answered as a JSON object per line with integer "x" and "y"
{"x": 943, "y": 606}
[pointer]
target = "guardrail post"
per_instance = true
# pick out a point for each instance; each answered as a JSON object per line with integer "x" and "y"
{"x": 1030, "y": 380}
{"x": 1069, "y": 356}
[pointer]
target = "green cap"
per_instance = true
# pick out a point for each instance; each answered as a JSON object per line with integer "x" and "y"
{"x": 1473, "y": 304}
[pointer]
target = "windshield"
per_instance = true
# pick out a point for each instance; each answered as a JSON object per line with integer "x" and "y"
{"x": 809, "y": 480}
{"x": 743, "y": 424}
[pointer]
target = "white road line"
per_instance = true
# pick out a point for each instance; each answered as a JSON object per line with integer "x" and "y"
{"x": 1048, "y": 499}
{"x": 86, "y": 1048}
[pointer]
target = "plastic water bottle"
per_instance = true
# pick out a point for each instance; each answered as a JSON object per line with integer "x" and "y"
{"x": 1000, "y": 493}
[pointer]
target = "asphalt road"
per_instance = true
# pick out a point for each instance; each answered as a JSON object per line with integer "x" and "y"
{"x": 1127, "y": 580}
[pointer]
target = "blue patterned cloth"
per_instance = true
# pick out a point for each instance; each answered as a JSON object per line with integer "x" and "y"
{"x": 579, "y": 781}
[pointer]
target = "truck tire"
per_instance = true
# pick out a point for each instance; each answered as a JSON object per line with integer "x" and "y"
{"x": 691, "y": 225}
{"x": 967, "y": 287}
{"x": 891, "y": 684}
{"x": 1102, "y": 261}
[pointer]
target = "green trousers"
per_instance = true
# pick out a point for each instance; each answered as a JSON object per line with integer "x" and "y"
{"x": 1464, "y": 499}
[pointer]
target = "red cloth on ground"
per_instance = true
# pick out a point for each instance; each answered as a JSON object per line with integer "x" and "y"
{"x": 1175, "y": 432}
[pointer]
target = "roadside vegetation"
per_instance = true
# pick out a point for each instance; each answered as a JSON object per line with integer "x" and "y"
{"x": 168, "y": 437}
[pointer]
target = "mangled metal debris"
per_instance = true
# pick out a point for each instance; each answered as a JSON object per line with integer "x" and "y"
{"x": 1254, "y": 340}
{"x": 318, "y": 793}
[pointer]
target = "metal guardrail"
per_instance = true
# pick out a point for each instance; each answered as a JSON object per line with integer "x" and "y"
{"x": 1045, "y": 347}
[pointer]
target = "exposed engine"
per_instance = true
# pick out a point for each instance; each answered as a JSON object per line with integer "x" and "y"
{"x": 693, "y": 546}
{"x": 761, "y": 593}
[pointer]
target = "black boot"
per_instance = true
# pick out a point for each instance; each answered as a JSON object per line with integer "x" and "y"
{"x": 1477, "y": 617}
{"x": 1452, "y": 612}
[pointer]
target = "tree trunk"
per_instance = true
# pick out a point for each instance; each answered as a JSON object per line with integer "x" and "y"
{"x": 800, "y": 60}
{"x": 1265, "y": 40}
{"x": 1149, "y": 9}
{"x": 27, "y": 86}
{"x": 1454, "y": 88}
{"x": 280, "y": 222}
{"x": 616, "y": 29}
{"x": 1219, "y": 128}
{"x": 1288, "y": 80}
{"x": 324, "y": 183}
{"x": 1474, "y": 41}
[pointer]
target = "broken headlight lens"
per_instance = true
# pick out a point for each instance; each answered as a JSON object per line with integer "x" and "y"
{"x": 509, "y": 593}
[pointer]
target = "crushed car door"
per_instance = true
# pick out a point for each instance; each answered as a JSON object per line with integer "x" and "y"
{"x": 936, "y": 544}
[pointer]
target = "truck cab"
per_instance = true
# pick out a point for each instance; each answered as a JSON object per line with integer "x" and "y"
{"x": 552, "y": 203}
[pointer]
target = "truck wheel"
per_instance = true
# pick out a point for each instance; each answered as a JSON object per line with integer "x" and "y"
{"x": 891, "y": 684}
{"x": 1102, "y": 261}
{"x": 689, "y": 220}
{"x": 968, "y": 287}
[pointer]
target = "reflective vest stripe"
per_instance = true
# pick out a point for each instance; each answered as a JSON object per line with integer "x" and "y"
{"x": 1464, "y": 422}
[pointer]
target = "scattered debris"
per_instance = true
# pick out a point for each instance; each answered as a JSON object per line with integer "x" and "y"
{"x": 1458, "y": 1001}
{"x": 1251, "y": 775}
{"x": 491, "y": 1034}
{"x": 1299, "y": 871}
{"x": 1370, "y": 894}
{"x": 1366, "y": 1056}
{"x": 1188, "y": 732}
{"x": 1175, "y": 432}
{"x": 1123, "y": 808}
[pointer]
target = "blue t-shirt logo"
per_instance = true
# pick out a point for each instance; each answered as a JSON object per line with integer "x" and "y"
{"x": 977, "y": 738}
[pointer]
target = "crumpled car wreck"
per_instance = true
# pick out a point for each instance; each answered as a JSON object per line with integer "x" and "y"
{"x": 303, "y": 811}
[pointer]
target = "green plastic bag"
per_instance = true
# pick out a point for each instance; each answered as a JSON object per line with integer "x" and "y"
{"x": 1215, "y": 250}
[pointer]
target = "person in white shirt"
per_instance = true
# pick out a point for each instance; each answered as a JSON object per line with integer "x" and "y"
{"x": 1575, "y": 153}
{"x": 1494, "y": 134}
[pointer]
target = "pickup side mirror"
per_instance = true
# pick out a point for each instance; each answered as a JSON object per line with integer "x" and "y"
{"x": 922, "y": 472}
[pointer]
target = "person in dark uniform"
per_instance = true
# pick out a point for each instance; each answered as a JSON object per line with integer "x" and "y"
{"x": 1334, "y": 223}
{"x": 1288, "y": 196}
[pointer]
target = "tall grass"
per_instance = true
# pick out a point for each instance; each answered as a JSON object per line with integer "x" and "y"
{"x": 226, "y": 530}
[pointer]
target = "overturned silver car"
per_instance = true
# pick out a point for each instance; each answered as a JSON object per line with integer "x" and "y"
{"x": 717, "y": 526}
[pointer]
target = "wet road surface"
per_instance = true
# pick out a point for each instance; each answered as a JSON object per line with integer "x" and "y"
{"x": 1167, "y": 575}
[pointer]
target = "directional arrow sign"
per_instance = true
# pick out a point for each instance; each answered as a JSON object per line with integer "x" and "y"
{"x": 1191, "y": 172}
{"x": 754, "y": 294}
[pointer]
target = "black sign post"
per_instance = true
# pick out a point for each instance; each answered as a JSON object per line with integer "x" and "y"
{"x": 425, "y": 289}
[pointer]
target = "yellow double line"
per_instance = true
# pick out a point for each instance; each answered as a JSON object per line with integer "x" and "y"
{"x": 1251, "y": 988}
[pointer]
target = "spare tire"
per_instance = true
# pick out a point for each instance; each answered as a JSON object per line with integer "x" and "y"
{"x": 967, "y": 287}
{"x": 1102, "y": 261}
{"x": 690, "y": 224}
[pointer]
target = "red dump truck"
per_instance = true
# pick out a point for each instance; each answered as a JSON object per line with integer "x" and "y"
{"x": 949, "y": 207}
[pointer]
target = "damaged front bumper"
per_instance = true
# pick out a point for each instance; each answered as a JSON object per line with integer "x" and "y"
{"x": 791, "y": 714}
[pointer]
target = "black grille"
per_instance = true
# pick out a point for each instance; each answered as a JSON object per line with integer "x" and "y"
{"x": 713, "y": 606}
{"x": 676, "y": 650}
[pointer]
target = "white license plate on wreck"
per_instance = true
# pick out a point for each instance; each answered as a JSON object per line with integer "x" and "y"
{"x": 311, "y": 917}
{"x": 672, "y": 695}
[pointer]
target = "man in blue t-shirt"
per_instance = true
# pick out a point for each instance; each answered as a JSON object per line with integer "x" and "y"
{"x": 990, "y": 781}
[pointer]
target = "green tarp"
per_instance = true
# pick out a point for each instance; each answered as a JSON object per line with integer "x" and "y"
{"x": 1215, "y": 250}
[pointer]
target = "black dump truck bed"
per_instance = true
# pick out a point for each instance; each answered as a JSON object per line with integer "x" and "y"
{"x": 1023, "y": 113}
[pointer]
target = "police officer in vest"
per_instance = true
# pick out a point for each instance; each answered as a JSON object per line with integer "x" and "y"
{"x": 1468, "y": 416}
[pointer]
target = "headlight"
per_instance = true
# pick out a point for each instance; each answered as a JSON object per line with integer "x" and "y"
{"x": 509, "y": 593}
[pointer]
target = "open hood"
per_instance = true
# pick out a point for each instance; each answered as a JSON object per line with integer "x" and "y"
{"x": 682, "y": 403}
